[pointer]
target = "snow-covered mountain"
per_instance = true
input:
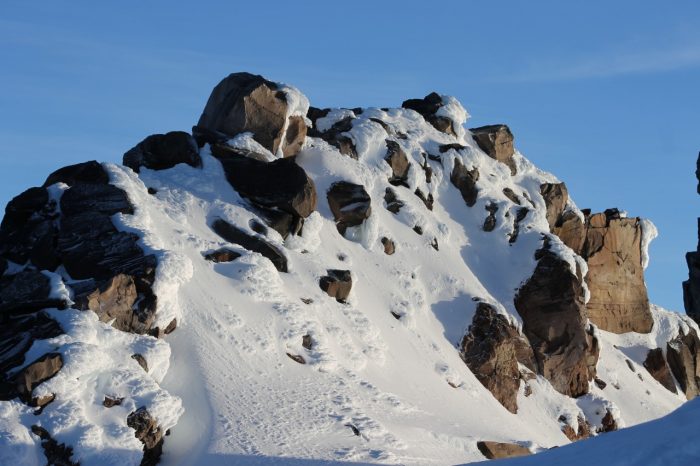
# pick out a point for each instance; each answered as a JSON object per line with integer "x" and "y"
{"x": 288, "y": 282}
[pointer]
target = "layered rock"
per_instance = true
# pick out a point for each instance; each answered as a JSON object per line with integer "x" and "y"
{"x": 250, "y": 242}
{"x": 683, "y": 356}
{"x": 657, "y": 367}
{"x": 498, "y": 450}
{"x": 161, "y": 151}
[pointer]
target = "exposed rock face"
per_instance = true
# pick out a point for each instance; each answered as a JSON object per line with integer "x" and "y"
{"x": 335, "y": 134}
{"x": 244, "y": 102}
{"x": 465, "y": 180}
{"x": 398, "y": 161}
{"x": 555, "y": 197}
{"x": 657, "y": 367}
{"x": 149, "y": 433}
{"x": 24, "y": 293}
{"x": 235, "y": 235}
{"x": 497, "y": 450}
{"x": 18, "y": 332}
{"x": 337, "y": 284}
{"x": 497, "y": 142}
{"x": 691, "y": 287}
{"x": 86, "y": 172}
{"x": 349, "y": 203}
{"x": 428, "y": 107}
{"x": 161, "y": 151}
{"x": 551, "y": 304}
{"x": 491, "y": 349}
{"x": 683, "y": 355}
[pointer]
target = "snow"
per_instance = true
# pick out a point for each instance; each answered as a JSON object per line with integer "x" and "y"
{"x": 334, "y": 115}
{"x": 223, "y": 383}
{"x": 649, "y": 232}
{"x": 454, "y": 110}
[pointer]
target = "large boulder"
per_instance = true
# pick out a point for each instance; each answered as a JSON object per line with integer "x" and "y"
{"x": 497, "y": 142}
{"x": 257, "y": 244}
{"x": 86, "y": 172}
{"x": 349, "y": 203}
{"x": 657, "y": 367}
{"x": 683, "y": 355}
{"x": 243, "y": 102}
{"x": 465, "y": 180}
{"x": 552, "y": 306}
{"x": 428, "y": 107}
{"x": 491, "y": 349}
{"x": 336, "y": 134}
{"x": 161, "y": 151}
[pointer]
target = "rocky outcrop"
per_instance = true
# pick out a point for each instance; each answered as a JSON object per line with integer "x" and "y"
{"x": 337, "y": 284}
{"x": 243, "y": 102}
{"x": 555, "y": 198}
{"x": 657, "y": 367}
{"x": 349, "y": 203}
{"x": 398, "y": 161}
{"x": 465, "y": 180}
{"x": 498, "y": 450}
{"x": 161, "y": 151}
{"x": 497, "y": 142}
{"x": 149, "y": 433}
{"x": 683, "y": 356}
{"x": 691, "y": 287}
{"x": 25, "y": 292}
{"x": 491, "y": 349}
{"x": 552, "y": 306}
{"x": 428, "y": 107}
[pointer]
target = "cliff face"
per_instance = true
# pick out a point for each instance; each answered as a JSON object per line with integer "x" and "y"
{"x": 691, "y": 287}
{"x": 375, "y": 285}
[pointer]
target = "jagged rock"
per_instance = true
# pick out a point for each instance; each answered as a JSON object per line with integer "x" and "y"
{"x": 427, "y": 200}
{"x": 490, "y": 222}
{"x": 222, "y": 255}
{"x": 307, "y": 342}
{"x": 497, "y": 142}
{"x": 235, "y": 235}
{"x": 335, "y": 136}
{"x": 389, "y": 246}
{"x": 86, "y": 172}
{"x": 161, "y": 151}
{"x": 583, "y": 431}
{"x": 551, "y": 304}
{"x": 555, "y": 197}
{"x": 507, "y": 192}
{"x": 683, "y": 356}
{"x": 99, "y": 198}
{"x": 149, "y": 433}
{"x": 571, "y": 230}
{"x": 280, "y": 184}
{"x": 428, "y": 107}
{"x": 490, "y": 350}
{"x": 34, "y": 374}
{"x": 497, "y": 450}
{"x": 349, "y": 203}
{"x": 657, "y": 367}
{"x": 465, "y": 180}
{"x": 243, "y": 102}
{"x": 392, "y": 202}
{"x": 398, "y": 161}
{"x": 25, "y": 292}
{"x": 57, "y": 454}
{"x": 337, "y": 284}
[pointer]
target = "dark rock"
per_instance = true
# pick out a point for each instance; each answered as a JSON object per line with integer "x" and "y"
{"x": 57, "y": 454}
{"x": 657, "y": 367}
{"x": 86, "y": 172}
{"x": 490, "y": 222}
{"x": 307, "y": 300}
{"x": 551, "y": 304}
{"x": 25, "y": 292}
{"x": 23, "y": 207}
{"x": 600, "y": 383}
{"x": 427, "y": 200}
{"x": 95, "y": 198}
{"x": 297, "y": 358}
{"x": 392, "y": 202}
{"x": 427, "y": 107}
{"x": 34, "y": 374}
{"x": 398, "y": 161}
{"x": 382, "y": 124}
{"x": 243, "y": 102}
{"x": 110, "y": 402}
{"x": 453, "y": 146}
{"x": 337, "y": 284}
{"x": 235, "y": 235}
{"x": 222, "y": 255}
{"x": 465, "y": 180}
{"x": 18, "y": 333}
{"x": 691, "y": 287}
{"x": 208, "y": 136}
{"x": 161, "y": 151}
{"x": 520, "y": 215}
{"x": 307, "y": 342}
{"x": 389, "y": 246}
{"x": 555, "y": 198}
{"x": 630, "y": 365}
{"x": 282, "y": 222}
{"x": 354, "y": 429}
{"x": 223, "y": 151}
{"x": 141, "y": 360}
{"x": 149, "y": 433}
{"x": 490, "y": 350}
{"x": 434, "y": 244}
{"x": 608, "y": 423}
{"x": 507, "y": 192}
{"x": 152, "y": 191}
{"x": 683, "y": 356}
{"x": 257, "y": 227}
{"x": 349, "y": 203}
{"x": 497, "y": 142}
{"x": 497, "y": 450}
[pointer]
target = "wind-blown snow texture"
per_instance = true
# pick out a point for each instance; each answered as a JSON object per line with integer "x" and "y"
{"x": 223, "y": 383}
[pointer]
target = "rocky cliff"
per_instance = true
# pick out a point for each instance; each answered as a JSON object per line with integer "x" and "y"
{"x": 365, "y": 284}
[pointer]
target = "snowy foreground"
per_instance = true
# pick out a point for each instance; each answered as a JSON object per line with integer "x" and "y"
{"x": 224, "y": 386}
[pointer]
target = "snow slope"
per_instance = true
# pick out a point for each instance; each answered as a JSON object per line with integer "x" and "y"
{"x": 400, "y": 383}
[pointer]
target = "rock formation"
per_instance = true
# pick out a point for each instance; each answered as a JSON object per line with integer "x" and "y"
{"x": 497, "y": 142}
{"x": 349, "y": 203}
{"x": 691, "y": 287}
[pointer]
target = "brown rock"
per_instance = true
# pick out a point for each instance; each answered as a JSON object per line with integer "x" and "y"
{"x": 497, "y": 142}
{"x": 497, "y": 450}
{"x": 110, "y": 402}
{"x": 307, "y": 342}
{"x": 571, "y": 230}
{"x": 243, "y": 102}
{"x": 389, "y": 246}
{"x": 149, "y": 433}
{"x": 465, "y": 180}
{"x": 337, "y": 284}
{"x": 490, "y": 350}
{"x": 141, "y": 360}
{"x": 296, "y": 358}
{"x": 114, "y": 300}
{"x": 35, "y": 373}
{"x": 555, "y": 198}
{"x": 683, "y": 356}
{"x": 349, "y": 203}
{"x": 490, "y": 222}
{"x": 507, "y": 192}
{"x": 608, "y": 424}
{"x": 398, "y": 161}
{"x": 657, "y": 367}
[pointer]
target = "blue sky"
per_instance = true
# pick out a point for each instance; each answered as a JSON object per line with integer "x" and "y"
{"x": 603, "y": 94}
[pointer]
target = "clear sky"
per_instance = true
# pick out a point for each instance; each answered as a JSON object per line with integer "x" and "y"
{"x": 604, "y": 94}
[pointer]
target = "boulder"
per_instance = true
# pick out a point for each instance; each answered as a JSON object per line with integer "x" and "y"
{"x": 86, "y": 172}
{"x": 235, "y": 235}
{"x": 337, "y": 284}
{"x": 657, "y": 367}
{"x": 19, "y": 333}
{"x": 428, "y": 107}
{"x": 95, "y": 198}
{"x": 35, "y": 373}
{"x": 608, "y": 423}
{"x": 392, "y": 202}
{"x": 555, "y": 197}
{"x": 497, "y": 450}
{"x": 3, "y": 266}
{"x": 520, "y": 215}
{"x": 490, "y": 349}
{"x": 243, "y": 102}
{"x": 161, "y": 151}
{"x": 510, "y": 194}
{"x": 398, "y": 161}
{"x": 427, "y": 200}
{"x": 583, "y": 430}
{"x": 465, "y": 180}
{"x": 149, "y": 433}
{"x": 389, "y": 246}
{"x": 349, "y": 203}
{"x": 26, "y": 292}
{"x": 551, "y": 305}
{"x": 683, "y": 356}
{"x": 571, "y": 230}
{"x": 497, "y": 142}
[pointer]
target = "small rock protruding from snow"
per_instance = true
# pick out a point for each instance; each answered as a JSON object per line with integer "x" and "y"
{"x": 349, "y": 203}
{"x": 337, "y": 284}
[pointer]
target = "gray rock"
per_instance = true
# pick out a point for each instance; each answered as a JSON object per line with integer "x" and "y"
{"x": 86, "y": 172}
